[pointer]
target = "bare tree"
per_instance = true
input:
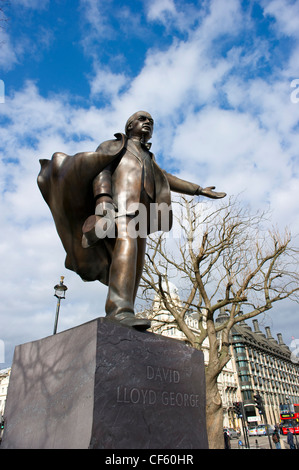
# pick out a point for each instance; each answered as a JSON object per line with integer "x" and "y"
{"x": 223, "y": 257}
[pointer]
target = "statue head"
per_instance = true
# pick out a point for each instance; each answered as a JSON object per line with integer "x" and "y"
{"x": 141, "y": 125}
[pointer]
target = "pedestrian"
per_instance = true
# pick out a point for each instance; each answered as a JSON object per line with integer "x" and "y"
{"x": 276, "y": 439}
{"x": 280, "y": 428}
{"x": 290, "y": 440}
{"x": 226, "y": 440}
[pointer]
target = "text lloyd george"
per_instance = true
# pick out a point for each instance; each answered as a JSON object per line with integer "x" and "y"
{"x": 149, "y": 396}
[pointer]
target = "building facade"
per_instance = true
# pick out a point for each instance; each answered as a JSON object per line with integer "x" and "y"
{"x": 264, "y": 366}
{"x": 4, "y": 381}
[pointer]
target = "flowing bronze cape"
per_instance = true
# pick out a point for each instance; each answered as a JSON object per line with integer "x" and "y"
{"x": 66, "y": 184}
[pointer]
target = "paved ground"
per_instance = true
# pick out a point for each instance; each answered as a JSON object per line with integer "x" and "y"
{"x": 260, "y": 442}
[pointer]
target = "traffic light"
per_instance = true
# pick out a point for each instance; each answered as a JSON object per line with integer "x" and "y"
{"x": 259, "y": 403}
{"x": 1, "y": 422}
{"x": 238, "y": 409}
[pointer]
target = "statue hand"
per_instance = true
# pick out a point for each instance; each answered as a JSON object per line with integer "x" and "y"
{"x": 106, "y": 207}
{"x": 208, "y": 192}
{"x": 97, "y": 226}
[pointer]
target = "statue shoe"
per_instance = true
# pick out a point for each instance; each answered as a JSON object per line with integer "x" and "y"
{"x": 129, "y": 319}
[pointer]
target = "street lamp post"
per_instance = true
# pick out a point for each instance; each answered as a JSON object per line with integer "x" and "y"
{"x": 60, "y": 294}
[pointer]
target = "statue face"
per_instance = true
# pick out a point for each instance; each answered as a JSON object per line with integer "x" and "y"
{"x": 142, "y": 126}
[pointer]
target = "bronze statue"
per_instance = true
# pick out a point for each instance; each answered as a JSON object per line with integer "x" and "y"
{"x": 97, "y": 197}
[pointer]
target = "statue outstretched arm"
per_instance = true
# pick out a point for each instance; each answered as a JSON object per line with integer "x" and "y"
{"x": 179, "y": 185}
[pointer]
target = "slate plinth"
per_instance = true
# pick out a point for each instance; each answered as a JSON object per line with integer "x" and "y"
{"x": 105, "y": 386}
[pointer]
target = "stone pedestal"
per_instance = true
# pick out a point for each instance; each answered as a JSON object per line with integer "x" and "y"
{"x": 105, "y": 386}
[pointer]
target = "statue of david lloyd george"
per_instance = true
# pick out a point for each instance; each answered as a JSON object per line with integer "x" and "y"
{"x": 105, "y": 203}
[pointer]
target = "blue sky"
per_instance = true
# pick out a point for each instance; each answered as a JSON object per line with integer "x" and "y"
{"x": 214, "y": 72}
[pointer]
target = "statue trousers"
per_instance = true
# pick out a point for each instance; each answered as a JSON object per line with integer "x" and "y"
{"x": 125, "y": 269}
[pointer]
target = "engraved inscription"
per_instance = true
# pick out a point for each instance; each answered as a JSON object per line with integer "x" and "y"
{"x": 180, "y": 399}
{"x": 135, "y": 395}
{"x": 162, "y": 374}
{"x": 152, "y": 396}
{"x": 145, "y": 396}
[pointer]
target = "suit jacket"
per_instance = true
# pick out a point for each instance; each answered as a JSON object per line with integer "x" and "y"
{"x": 66, "y": 183}
{"x": 127, "y": 177}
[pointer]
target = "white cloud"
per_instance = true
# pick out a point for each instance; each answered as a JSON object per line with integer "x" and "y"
{"x": 107, "y": 83}
{"x": 35, "y": 4}
{"x": 8, "y": 57}
{"x": 159, "y": 9}
{"x": 215, "y": 17}
{"x": 94, "y": 15}
{"x": 223, "y": 18}
{"x": 229, "y": 146}
{"x": 286, "y": 14}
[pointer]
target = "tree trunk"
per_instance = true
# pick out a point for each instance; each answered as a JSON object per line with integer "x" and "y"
{"x": 214, "y": 413}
